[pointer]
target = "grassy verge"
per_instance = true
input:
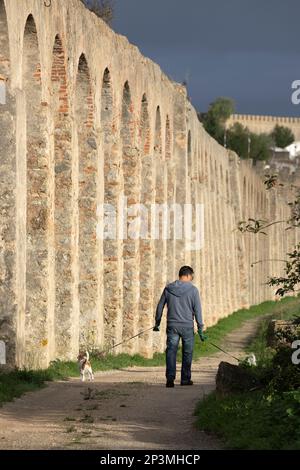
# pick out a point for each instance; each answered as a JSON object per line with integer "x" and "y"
{"x": 17, "y": 382}
{"x": 252, "y": 421}
{"x": 262, "y": 419}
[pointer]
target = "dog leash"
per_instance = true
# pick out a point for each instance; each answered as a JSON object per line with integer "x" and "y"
{"x": 151, "y": 328}
{"x": 126, "y": 340}
{"x": 225, "y": 352}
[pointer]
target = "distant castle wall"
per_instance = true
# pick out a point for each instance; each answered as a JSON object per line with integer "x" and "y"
{"x": 265, "y": 124}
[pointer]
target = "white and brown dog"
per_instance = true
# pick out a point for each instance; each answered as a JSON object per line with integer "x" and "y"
{"x": 85, "y": 366}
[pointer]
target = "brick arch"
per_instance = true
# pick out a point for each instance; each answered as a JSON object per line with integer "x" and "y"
{"x": 107, "y": 104}
{"x": 84, "y": 101}
{"x": 127, "y": 116}
{"x": 168, "y": 145}
{"x": 112, "y": 280}
{"x": 131, "y": 174}
{"x": 59, "y": 76}
{"x": 37, "y": 213}
{"x": 146, "y": 246}
{"x": 8, "y": 310}
{"x": 65, "y": 341}
{"x": 89, "y": 318}
{"x": 158, "y": 132}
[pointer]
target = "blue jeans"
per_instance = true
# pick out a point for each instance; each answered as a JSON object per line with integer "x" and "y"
{"x": 173, "y": 336}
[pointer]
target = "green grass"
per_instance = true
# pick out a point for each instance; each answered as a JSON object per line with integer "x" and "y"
{"x": 256, "y": 420}
{"x": 13, "y": 384}
{"x": 259, "y": 344}
{"x": 252, "y": 421}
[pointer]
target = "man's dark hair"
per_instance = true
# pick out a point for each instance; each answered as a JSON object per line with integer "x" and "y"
{"x": 185, "y": 271}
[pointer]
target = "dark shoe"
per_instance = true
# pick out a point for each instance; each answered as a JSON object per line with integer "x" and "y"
{"x": 190, "y": 382}
{"x": 170, "y": 384}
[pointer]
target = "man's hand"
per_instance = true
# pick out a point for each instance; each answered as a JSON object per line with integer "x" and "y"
{"x": 202, "y": 336}
{"x": 156, "y": 328}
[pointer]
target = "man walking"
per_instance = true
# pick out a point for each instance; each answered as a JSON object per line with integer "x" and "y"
{"x": 183, "y": 303}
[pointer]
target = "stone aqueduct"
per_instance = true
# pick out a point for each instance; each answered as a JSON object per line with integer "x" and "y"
{"x": 87, "y": 117}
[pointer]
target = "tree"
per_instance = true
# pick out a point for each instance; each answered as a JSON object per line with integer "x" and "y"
{"x": 237, "y": 139}
{"x": 215, "y": 118}
{"x": 260, "y": 146}
{"x": 102, "y": 8}
{"x": 282, "y": 136}
{"x": 248, "y": 144}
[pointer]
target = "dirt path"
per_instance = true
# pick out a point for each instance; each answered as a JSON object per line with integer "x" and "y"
{"x": 129, "y": 409}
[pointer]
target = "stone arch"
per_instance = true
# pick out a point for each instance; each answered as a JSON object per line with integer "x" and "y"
{"x": 131, "y": 174}
{"x": 212, "y": 175}
{"x": 217, "y": 182}
{"x": 8, "y": 307}
{"x": 227, "y": 187}
{"x": 171, "y": 182}
{"x": 221, "y": 180}
{"x": 112, "y": 280}
{"x": 245, "y": 199}
{"x": 37, "y": 213}
{"x": 206, "y": 169}
{"x": 159, "y": 191}
{"x": 89, "y": 319}
{"x": 249, "y": 194}
{"x": 189, "y": 154}
{"x": 258, "y": 202}
{"x": 168, "y": 139}
{"x": 160, "y": 268}
{"x": 192, "y": 191}
{"x": 158, "y": 138}
{"x": 65, "y": 342}
{"x": 200, "y": 158}
{"x": 146, "y": 247}
{"x": 197, "y": 161}
{"x": 262, "y": 202}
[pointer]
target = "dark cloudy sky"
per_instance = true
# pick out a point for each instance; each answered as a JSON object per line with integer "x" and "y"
{"x": 245, "y": 49}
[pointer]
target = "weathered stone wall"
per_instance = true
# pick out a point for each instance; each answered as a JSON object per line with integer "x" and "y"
{"x": 88, "y": 118}
{"x": 265, "y": 124}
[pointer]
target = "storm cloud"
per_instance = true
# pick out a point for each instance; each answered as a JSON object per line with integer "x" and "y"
{"x": 248, "y": 50}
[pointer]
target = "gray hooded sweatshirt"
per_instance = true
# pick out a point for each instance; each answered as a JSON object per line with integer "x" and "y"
{"x": 183, "y": 302}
